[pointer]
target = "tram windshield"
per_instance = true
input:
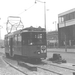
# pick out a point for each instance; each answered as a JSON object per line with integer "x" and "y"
{"x": 34, "y": 38}
{"x": 38, "y": 38}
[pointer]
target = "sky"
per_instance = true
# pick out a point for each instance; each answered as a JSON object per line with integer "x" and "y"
{"x": 34, "y": 14}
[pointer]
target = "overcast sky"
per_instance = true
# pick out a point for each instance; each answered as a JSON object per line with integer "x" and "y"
{"x": 34, "y": 16}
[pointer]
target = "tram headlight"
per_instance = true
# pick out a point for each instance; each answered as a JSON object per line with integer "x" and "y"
{"x": 38, "y": 52}
{"x": 43, "y": 47}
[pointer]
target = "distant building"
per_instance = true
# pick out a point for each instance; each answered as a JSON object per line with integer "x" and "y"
{"x": 66, "y": 28}
{"x": 52, "y": 39}
{"x": 1, "y": 43}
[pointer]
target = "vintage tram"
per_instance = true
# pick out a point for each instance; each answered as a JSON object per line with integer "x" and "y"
{"x": 27, "y": 43}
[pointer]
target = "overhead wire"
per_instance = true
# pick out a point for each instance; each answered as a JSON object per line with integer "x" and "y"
{"x": 28, "y": 8}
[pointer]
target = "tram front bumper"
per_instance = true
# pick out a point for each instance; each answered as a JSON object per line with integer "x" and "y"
{"x": 42, "y": 55}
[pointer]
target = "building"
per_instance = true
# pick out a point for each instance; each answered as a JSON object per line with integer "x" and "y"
{"x": 52, "y": 39}
{"x": 66, "y": 28}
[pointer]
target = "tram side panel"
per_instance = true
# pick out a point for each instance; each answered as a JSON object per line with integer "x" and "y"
{"x": 17, "y": 46}
{"x": 13, "y": 47}
{"x": 32, "y": 50}
{"x": 6, "y": 45}
{"x": 22, "y": 46}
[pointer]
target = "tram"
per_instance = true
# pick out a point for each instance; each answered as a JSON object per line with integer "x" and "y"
{"x": 27, "y": 43}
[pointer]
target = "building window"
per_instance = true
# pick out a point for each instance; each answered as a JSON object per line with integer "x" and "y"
{"x": 61, "y": 19}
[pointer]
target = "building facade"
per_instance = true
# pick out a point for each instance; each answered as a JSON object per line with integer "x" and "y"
{"x": 66, "y": 28}
{"x": 52, "y": 39}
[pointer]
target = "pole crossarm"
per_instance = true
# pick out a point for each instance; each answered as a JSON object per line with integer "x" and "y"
{"x": 40, "y": 1}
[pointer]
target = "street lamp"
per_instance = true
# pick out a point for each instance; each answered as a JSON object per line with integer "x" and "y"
{"x": 44, "y": 11}
{"x": 55, "y": 23}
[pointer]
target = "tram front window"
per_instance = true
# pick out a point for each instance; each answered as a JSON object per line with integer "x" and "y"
{"x": 34, "y": 38}
{"x": 38, "y": 38}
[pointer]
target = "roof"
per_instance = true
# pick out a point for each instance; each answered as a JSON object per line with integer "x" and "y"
{"x": 53, "y": 33}
{"x": 66, "y": 12}
{"x": 29, "y": 29}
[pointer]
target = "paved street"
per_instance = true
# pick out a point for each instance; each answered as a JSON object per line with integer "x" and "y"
{"x": 69, "y": 55}
{"x": 5, "y": 69}
{"x": 61, "y": 50}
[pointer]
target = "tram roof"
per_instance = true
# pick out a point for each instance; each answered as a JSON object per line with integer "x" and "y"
{"x": 30, "y": 29}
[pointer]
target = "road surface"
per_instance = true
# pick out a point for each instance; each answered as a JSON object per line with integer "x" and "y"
{"x": 5, "y": 69}
{"x": 69, "y": 55}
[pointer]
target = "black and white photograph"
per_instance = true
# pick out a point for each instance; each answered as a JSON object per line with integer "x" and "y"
{"x": 37, "y": 37}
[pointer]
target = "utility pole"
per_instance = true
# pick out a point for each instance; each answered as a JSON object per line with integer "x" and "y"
{"x": 44, "y": 11}
{"x": 0, "y": 29}
{"x": 45, "y": 14}
{"x": 65, "y": 37}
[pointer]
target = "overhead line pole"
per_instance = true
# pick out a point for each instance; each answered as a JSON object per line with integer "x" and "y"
{"x": 45, "y": 14}
{"x": 65, "y": 37}
{"x": 0, "y": 29}
{"x": 44, "y": 11}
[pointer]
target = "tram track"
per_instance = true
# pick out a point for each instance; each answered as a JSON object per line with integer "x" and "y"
{"x": 43, "y": 68}
{"x": 14, "y": 67}
{"x": 56, "y": 72}
{"x": 51, "y": 71}
{"x": 36, "y": 66}
{"x": 68, "y": 69}
{"x": 60, "y": 66}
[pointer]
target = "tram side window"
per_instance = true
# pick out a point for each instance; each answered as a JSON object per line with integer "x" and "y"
{"x": 6, "y": 41}
{"x": 25, "y": 37}
{"x": 19, "y": 39}
{"x": 15, "y": 40}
